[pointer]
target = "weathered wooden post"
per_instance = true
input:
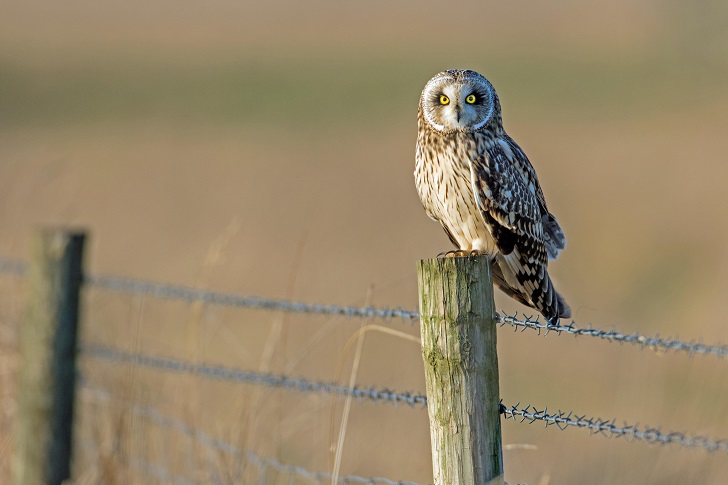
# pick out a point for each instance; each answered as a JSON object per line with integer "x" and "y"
{"x": 47, "y": 372}
{"x": 458, "y": 326}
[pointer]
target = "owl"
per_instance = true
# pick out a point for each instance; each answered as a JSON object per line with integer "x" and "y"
{"x": 477, "y": 182}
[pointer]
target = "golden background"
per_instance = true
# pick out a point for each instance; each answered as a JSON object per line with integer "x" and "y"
{"x": 268, "y": 149}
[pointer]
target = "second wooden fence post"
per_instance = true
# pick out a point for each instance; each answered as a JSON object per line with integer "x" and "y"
{"x": 47, "y": 372}
{"x": 458, "y": 326}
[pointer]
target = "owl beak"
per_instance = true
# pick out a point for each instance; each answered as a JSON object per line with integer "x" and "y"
{"x": 457, "y": 112}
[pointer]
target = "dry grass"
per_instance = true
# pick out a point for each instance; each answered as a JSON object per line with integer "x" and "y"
{"x": 202, "y": 152}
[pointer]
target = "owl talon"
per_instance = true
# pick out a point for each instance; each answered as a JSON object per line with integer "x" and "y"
{"x": 455, "y": 254}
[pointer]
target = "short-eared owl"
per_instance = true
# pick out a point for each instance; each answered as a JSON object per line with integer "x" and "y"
{"x": 477, "y": 182}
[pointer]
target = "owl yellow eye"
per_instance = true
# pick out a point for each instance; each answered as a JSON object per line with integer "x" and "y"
{"x": 444, "y": 100}
{"x": 470, "y": 99}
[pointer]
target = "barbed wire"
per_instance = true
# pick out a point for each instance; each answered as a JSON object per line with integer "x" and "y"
{"x": 127, "y": 285}
{"x": 609, "y": 428}
{"x": 114, "y": 283}
{"x": 320, "y": 476}
{"x": 177, "y": 292}
{"x": 250, "y": 377}
{"x": 562, "y": 420}
{"x": 200, "y": 436}
{"x": 184, "y": 293}
{"x": 174, "y": 292}
{"x": 154, "y": 470}
{"x": 655, "y": 343}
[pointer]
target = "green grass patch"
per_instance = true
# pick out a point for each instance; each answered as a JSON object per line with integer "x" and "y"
{"x": 326, "y": 92}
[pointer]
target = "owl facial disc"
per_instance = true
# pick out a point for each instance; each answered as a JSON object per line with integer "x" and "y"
{"x": 458, "y": 100}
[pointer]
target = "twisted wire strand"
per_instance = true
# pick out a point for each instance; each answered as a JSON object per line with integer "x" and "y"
{"x": 609, "y": 428}
{"x": 655, "y": 343}
{"x": 177, "y": 292}
{"x": 249, "y": 377}
{"x": 320, "y": 476}
{"x": 12, "y": 266}
{"x": 182, "y": 427}
{"x": 185, "y": 293}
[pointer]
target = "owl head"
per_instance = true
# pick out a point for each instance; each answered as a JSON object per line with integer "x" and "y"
{"x": 460, "y": 100}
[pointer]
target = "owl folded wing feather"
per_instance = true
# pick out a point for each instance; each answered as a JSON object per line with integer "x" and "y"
{"x": 510, "y": 210}
{"x": 554, "y": 238}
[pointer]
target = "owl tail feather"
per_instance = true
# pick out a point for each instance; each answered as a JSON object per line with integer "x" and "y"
{"x": 564, "y": 309}
{"x": 501, "y": 283}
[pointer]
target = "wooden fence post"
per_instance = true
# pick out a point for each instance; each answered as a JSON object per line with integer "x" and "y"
{"x": 47, "y": 373}
{"x": 458, "y": 326}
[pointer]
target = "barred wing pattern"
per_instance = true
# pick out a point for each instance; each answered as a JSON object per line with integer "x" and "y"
{"x": 554, "y": 237}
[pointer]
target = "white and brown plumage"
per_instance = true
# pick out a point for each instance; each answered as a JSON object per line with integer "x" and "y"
{"x": 477, "y": 182}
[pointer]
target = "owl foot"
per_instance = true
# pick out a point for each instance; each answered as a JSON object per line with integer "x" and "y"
{"x": 460, "y": 253}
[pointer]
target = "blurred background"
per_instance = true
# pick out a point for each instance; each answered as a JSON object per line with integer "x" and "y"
{"x": 268, "y": 148}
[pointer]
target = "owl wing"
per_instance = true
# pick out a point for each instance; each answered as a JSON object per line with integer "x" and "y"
{"x": 554, "y": 238}
{"x": 514, "y": 216}
{"x": 509, "y": 208}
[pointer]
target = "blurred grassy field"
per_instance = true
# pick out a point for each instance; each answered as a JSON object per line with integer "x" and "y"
{"x": 235, "y": 147}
